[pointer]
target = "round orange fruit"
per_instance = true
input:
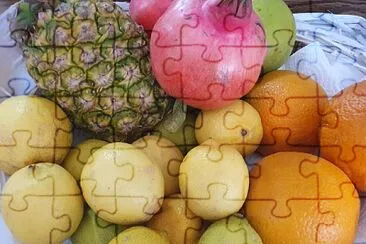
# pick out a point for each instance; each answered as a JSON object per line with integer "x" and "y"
{"x": 343, "y": 133}
{"x": 296, "y": 197}
{"x": 290, "y": 106}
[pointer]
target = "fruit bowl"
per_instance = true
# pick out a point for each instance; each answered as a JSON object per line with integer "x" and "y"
{"x": 330, "y": 58}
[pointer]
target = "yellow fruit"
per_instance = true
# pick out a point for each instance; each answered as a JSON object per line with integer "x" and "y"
{"x": 238, "y": 125}
{"x": 167, "y": 156}
{"x": 32, "y": 130}
{"x": 290, "y": 106}
{"x": 343, "y": 133}
{"x": 78, "y": 156}
{"x": 300, "y": 198}
{"x": 42, "y": 203}
{"x": 122, "y": 185}
{"x": 139, "y": 235}
{"x": 177, "y": 222}
{"x": 214, "y": 180}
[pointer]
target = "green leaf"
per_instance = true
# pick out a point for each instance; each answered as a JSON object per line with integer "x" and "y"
{"x": 27, "y": 14}
{"x": 176, "y": 118}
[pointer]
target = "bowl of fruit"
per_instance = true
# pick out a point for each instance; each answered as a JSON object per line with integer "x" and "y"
{"x": 181, "y": 121}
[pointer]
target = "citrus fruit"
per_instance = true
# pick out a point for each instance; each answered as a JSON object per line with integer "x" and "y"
{"x": 290, "y": 106}
{"x": 342, "y": 136}
{"x": 122, "y": 185}
{"x": 296, "y": 197}
{"x": 233, "y": 229}
{"x": 32, "y": 130}
{"x": 179, "y": 224}
{"x": 214, "y": 180}
{"x": 167, "y": 156}
{"x": 78, "y": 156}
{"x": 42, "y": 203}
{"x": 238, "y": 125}
{"x": 139, "y": 235}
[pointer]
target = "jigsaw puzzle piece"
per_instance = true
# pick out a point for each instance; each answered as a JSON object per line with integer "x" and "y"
{"x": 291, "y": 107}
{"x": 44, "y": 194}
{"x": 304, "y": 195}
{"x": 133, "y": 190}
{"x": 177, "y": 222}
{"x": 223, "y": 189}
{"x": 80, "y": 154}
{"x": 263, "y": 193}
{"x": 342, "y": 133}
{"x": 333, "y": 195}
{"x": 167, "y": 156}
{"x": 31, "y": 142}
{"x": 16, "y": 86}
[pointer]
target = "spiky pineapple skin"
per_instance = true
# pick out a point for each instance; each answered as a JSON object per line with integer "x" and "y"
{"x": 93, "y": 60}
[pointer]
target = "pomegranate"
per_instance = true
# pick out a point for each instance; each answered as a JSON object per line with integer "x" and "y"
{"x": 147, "y": 12}
{"x": 208, "y": 53}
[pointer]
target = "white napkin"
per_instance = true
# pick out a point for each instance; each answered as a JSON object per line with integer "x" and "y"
{"x": 336, "y": 54}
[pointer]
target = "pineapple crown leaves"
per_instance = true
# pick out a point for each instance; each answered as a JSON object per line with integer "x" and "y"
{"x": 27, "y": 15}
{"x": 28, "y": 10}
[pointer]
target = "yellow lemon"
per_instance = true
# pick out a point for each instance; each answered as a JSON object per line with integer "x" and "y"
{"x": 214, "y": 180}
{"x": 238, "y": 125}
{"x": 122, "y": 185}
{"x": 78, "y": 156}
{"x": 139, "y": 235}
{"x": 42, "y": 203}
{"x": 167, "y": 156}
{"x": 32, "y": 130}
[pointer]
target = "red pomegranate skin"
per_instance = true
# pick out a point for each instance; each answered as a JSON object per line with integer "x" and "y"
{"x": 147, "y": 12}
{"x": 207, "y": 54}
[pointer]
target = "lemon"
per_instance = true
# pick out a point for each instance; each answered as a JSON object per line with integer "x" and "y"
{"x": 238, "y": 126}
{"x": 122, "y": 185}
{"x": 32, "y": 130}
{"x": 78, "y": 156}
{"x": 214, "y": 180}
{"x": 167, "y": 156}
{"x": 42, "y": 203}
{"x": 139, "y": 235}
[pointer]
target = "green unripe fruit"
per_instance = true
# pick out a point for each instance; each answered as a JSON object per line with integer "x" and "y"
{"x": 234, "y": 229}
{"x": 94, "y": 230}
{"x": 280, "y": 28}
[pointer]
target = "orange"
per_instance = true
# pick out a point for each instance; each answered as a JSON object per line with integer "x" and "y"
{"x": 296, "y": 197}
{"x": 290, "y": 106}
{"x": 343, "y": 133}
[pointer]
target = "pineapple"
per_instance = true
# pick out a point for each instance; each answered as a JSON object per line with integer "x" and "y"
{"x": 93, "y": 60}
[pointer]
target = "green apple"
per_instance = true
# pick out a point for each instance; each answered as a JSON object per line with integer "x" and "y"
{"x": 234, "y": 229}
{"x": 279, "y": 25}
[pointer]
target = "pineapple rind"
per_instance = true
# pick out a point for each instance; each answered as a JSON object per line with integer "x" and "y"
{"x": 93, "y": 60}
